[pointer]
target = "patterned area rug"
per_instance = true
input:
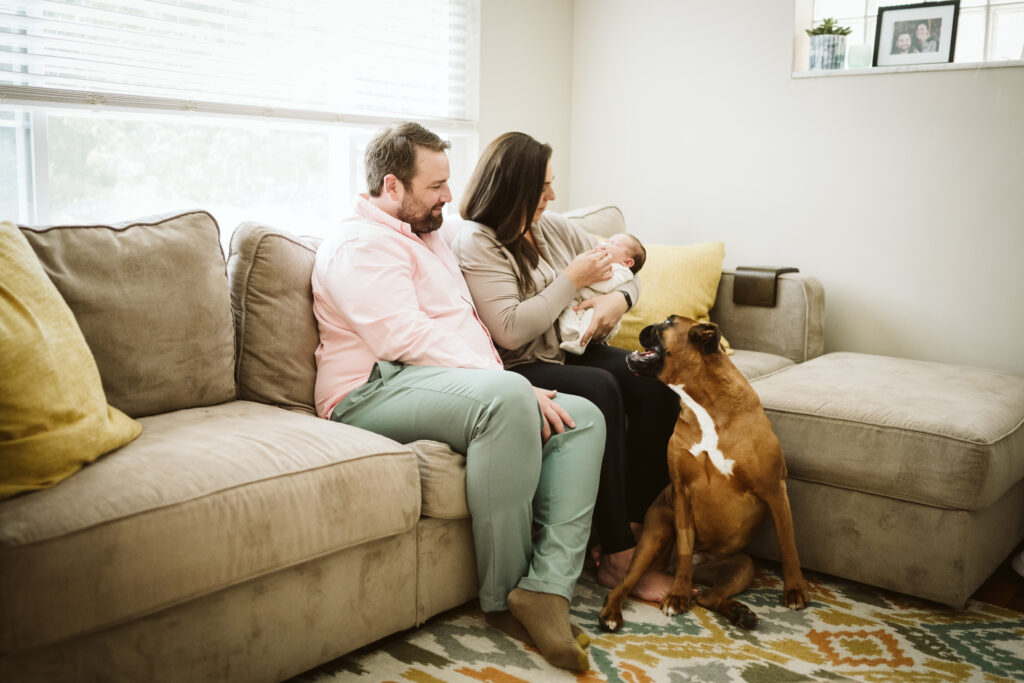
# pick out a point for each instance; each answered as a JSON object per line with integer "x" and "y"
{"x": 851, "y": 632}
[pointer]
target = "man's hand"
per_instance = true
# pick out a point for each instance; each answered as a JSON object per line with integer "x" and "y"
{"x": 608, "y": 309}
{"x": 556, "y": 417}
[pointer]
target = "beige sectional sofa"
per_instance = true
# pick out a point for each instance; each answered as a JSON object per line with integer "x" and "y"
{"x": 240, "y": 537}
{"x": 235, "y": 539}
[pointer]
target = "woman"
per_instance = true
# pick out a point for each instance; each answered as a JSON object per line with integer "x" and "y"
{"x": 925, "y": 42}
{"x": 523, "y": 266}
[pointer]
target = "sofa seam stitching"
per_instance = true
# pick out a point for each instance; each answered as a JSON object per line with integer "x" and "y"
{"x": 164, "y": 219}
{"x": 878, "y": 492}
{"x": 908, "y": 430}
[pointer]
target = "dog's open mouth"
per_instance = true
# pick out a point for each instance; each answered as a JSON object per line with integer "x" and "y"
{"x": 648, "y": 361}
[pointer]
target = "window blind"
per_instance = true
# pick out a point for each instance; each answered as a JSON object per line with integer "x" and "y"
{"x": 348, "y": 60}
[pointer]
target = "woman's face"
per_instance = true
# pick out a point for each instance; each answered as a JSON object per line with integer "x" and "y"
{"x": 547, "y": 194}
{"x": 923, "y": 33}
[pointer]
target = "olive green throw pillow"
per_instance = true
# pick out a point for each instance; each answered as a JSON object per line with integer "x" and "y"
{"x": 677, "y": 280}
{"x": 54, "y": 416}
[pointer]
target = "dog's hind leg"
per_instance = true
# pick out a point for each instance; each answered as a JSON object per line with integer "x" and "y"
{"x": 794, "y": 587}
{"x": 727, "y": 578}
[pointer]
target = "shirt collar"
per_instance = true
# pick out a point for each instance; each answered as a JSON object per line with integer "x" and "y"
{"x": 363, "y": 207}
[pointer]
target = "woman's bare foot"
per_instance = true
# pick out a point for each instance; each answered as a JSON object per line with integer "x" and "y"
{"x": 594, "y": 556}
{"x": 652, "y": 586}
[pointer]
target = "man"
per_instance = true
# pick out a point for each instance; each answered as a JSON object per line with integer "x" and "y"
{"x": 903, "y": 43}
{"x": 403, "y": 353}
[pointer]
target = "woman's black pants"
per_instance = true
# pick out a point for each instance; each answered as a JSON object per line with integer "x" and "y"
{"x": 640, "y": 414}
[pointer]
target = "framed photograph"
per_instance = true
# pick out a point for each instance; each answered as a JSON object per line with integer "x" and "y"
{"x": 924, "y": 33}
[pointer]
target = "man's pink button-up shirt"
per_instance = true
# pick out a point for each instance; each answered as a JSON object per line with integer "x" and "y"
{"x": 382, "y": 292}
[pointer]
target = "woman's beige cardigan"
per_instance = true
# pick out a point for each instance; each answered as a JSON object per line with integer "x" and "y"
{"x": 524, "y": 330}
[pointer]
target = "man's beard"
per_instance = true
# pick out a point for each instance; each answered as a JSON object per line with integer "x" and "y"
{"x": 421, "y": 221}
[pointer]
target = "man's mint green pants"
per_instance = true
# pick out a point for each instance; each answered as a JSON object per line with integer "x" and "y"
{"x": 512, "y": 480}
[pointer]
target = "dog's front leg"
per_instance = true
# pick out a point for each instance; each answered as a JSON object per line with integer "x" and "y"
{"x": 657, "y": 535}
{"x": 678, "y": 599}
{"x": 794, "y": 586}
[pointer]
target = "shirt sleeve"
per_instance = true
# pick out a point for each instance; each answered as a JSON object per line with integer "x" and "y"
{"x": 513, "y": 320}
{"x": 370, "y": 284}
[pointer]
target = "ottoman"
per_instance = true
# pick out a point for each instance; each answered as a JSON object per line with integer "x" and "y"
{"x": 903, "y": 474}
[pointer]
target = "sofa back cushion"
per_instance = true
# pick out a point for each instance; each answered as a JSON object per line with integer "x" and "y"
{"x": 151, "y": 298}
{"x": 599, "y": 220}
{"x": 272, "y": 300}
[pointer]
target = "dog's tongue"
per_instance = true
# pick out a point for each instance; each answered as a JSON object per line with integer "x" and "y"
{"x": 646, "y": 354}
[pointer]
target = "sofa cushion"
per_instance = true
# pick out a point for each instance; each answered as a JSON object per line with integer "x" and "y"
{"x": 754, "y": 364}
{"x": 151, "y": 298}
{"x": 204, "y": 499}
{"x": 54, "y": 417}
{"x": 600, "y": 220}
{"x": 442, "y": 480}
{"x": 942, "y": 435}
{"x": 272, "y": 300}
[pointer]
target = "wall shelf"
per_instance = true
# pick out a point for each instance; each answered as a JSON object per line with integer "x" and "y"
{"x": 872, "y": 70}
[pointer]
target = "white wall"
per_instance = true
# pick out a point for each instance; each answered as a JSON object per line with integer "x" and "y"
{"x": 526, "y": 77}
{"x": 903, "y": 193}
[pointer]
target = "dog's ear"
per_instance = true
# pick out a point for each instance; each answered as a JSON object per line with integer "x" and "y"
{"x": 706, "y": 337}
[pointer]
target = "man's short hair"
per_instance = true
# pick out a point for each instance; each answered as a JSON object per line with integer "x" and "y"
{"x": 393, "y": 151}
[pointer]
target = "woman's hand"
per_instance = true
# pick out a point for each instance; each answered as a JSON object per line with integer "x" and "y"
{"x": 556, "y": 418}
{"x": 590, "y": 267}
{"x": 608, "y": 310}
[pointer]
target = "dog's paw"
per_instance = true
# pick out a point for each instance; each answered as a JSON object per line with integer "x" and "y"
{"x": 610, "y": 623}
{"x": 743, "y": 616}
{"x": 675, "y": 604}
{"x": 795, "y": 597}
{"x": 610, "y": 620}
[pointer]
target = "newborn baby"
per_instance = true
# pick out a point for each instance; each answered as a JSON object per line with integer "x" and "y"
{"x": 628, "y": 256}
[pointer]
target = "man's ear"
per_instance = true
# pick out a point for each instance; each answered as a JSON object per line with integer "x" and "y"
{"x": 393, "y": 187}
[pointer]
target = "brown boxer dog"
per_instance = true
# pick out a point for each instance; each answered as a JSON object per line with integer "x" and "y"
{"x": 726, "y": 471}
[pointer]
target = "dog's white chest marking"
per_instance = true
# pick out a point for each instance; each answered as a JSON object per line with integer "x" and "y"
{"x": 708, "y": 436}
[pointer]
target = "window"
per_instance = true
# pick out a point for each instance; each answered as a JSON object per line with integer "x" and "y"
{"x": 987, "y": 30}
{"x": 251, "y": 109}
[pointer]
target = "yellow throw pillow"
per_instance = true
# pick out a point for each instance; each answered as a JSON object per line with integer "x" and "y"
{"x": 677, "y": 280}
{"x": 54, "y": 416}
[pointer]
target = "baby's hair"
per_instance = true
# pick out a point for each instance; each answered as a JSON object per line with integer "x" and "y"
{"x": 639, "y": 255}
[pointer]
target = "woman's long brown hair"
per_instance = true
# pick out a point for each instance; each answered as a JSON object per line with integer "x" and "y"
{"x": 503, "y": 193}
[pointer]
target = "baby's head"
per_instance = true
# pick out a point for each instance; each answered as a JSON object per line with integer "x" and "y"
{"x": 626, "y": 250}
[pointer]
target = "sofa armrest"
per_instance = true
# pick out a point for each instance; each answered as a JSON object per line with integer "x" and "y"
{"x": 793, "y": 328}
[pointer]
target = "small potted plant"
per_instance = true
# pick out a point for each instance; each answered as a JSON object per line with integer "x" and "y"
{"x": 828, "y": 44}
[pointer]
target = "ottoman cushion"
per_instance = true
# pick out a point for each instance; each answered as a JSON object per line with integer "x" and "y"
{"x": 943, "y": 435}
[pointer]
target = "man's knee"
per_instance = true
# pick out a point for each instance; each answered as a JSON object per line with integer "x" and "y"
{"x": 584, "y": 413}
{"x": 508, "y": 390}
